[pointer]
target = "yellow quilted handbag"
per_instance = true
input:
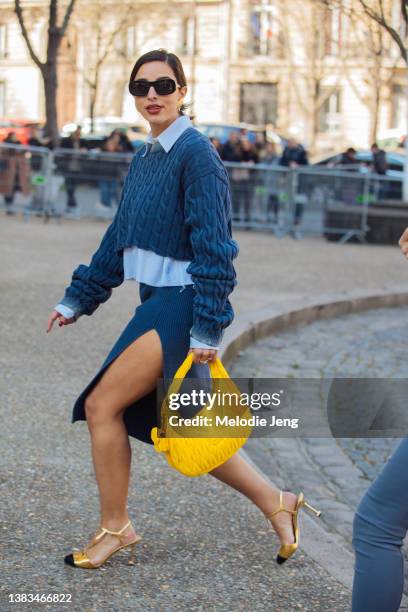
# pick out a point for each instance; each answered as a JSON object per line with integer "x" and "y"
{"x": 194, "y": 456}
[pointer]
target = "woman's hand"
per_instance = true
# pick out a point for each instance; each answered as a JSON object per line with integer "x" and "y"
{"x": 201, "y": 355}
{"x": 403, "y": 243}
{"x": 62, "y": 320}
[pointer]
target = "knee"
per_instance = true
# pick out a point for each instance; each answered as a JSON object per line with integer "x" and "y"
{"x": 95, "y": 411}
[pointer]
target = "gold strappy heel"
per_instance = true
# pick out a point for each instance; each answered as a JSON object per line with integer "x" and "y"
{"x": 80, "y": 558}
{"x": 287, "y": 550}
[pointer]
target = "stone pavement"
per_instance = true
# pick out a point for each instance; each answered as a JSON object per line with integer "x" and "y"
{"x": 204, "y": 547}
{"x": 336, "y": 472}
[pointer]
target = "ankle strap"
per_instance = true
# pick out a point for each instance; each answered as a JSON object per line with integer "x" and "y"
{"x": 115, "y": 533}
{"x": 280, "y": 509}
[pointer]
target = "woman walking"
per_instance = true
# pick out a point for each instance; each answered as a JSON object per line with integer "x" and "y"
{"x": 171, "y": 233}
{"x": 379, "y": 529}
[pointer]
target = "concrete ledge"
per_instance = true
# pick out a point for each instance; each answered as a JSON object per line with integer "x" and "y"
{"x": 249, "y": 327}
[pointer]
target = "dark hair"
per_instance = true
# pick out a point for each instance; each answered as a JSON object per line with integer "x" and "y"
{"x": 162, "y": 55}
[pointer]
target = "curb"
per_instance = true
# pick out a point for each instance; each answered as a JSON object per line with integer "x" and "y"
{"x": 324, "y": 548}
{"x": 252, "y": 326}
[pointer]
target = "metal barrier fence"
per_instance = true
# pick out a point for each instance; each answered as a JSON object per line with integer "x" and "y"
{"x": 298, "y": 201}
{"x": 307, "y": 200}
{"x": 61, "y": 183}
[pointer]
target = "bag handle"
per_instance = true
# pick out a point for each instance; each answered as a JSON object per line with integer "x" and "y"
{"x": 217, "y": 370}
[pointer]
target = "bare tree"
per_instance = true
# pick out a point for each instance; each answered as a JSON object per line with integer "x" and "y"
{"x": 49, "y": 67}
{"x": 367, "y": 41}
{"x": 102, "y": 34}
{"x": 379, "y": 11}
{"x": 308, "y": 73}
{"x": 98, "y": 28}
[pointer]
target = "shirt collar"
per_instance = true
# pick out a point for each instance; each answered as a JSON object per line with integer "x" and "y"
{"x": 169, "y": 136}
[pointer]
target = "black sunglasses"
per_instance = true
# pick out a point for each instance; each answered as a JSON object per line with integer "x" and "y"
{"x": 163, "y": 87}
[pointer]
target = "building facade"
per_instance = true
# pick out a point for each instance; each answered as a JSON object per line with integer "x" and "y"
{"x": 326, "y": 77}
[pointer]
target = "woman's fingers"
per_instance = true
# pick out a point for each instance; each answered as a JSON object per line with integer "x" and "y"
{"x": 53, "y": 317}
{"x": 203, "y": 355}
{"x": 62, "y": 320}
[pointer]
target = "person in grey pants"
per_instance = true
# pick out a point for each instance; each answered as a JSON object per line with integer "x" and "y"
{"x": 379, "y": 528}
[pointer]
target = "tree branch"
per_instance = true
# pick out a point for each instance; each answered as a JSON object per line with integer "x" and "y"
{"x": 404, "y": 10}
{"x": 19, "y": 12}
{"x": 370, "y": 12}
{"x": 67, "y": 17}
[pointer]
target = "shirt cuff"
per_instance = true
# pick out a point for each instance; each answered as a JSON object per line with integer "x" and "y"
{"x": 197, "y": 344}
{"x": 65, "y": 311}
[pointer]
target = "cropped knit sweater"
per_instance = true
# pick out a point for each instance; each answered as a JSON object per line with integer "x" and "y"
{"x": 146, "y": 266}
{"x": 177, "y": 204}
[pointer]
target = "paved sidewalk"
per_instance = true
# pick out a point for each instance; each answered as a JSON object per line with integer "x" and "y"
{"x": 334, "y": 472}
{"x": 204, "y": 547}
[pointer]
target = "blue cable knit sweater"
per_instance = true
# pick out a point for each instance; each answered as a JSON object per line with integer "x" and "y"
{"x": 177, "y": 204}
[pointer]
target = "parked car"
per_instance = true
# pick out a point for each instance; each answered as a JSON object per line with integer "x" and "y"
{"x": 103, "y": 127}
{"x": 395, "y": 162}
{"x": 223, "y": 130}
{"x": 387, "y": 213}
{"x": 21, "y": 127}
{"x": 391, "y": 190}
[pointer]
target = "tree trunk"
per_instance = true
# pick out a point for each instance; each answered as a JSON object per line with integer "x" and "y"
{"x": 49, "y": 73}
{"x": 92, "y": 109}
{"x": 315, "y": 115}
{"x": 375, "y": 114}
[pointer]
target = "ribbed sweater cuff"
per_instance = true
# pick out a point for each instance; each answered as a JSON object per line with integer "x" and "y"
{"x": 210, "y": 337}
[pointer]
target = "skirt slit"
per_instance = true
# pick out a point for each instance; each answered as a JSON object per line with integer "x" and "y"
{"x": 168, "y": 310}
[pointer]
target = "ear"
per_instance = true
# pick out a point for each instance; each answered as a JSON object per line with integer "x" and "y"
{"x": 183, "y": 91}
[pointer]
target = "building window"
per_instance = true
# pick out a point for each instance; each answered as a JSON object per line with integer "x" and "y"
{"x": 330, "y": 35}
{"x": 330, "y": 111}
{"x": 3, "y": 41}
{"x": 131, "y": 41}
{"x": 2, "y": 99}
{"x": 262, "y": 33}
{"x": 258, "y": 103}
{"x": 188, "y": 36}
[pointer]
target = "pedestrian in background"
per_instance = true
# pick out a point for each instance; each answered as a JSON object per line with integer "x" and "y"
{"x": 379, "y": 160}
{"x": 72, "y": 166}
{"x": 293, "y": 156}
{"x": 38, "y": 166}
{"x": 231, "y": 150}
{"x": 349, "y": 159}
{"x": 379, "y": 528}
{"x": 14, "y": 172}
{"x": 124, "y": 142}
{"x": 217, "y": 144}
{"x": 350, "y": 188}
{"x": 244, "y": 180}
{"x": 109, "y": 171}
{"x": 270, "y": 157}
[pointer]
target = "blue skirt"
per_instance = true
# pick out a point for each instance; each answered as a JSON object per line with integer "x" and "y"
{"x": 168, "y": 310}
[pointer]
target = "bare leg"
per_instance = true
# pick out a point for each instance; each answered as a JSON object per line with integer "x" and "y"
{"x": 240, "y": 475}
{"x": 132, "y": 375}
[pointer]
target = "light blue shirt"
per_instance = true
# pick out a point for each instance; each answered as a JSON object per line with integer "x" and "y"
{"x": 146, "y": 266}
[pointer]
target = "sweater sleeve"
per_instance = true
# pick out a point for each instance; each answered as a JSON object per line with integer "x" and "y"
{"x": 207, "y": 207}
{"x": 92, "y": 284}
